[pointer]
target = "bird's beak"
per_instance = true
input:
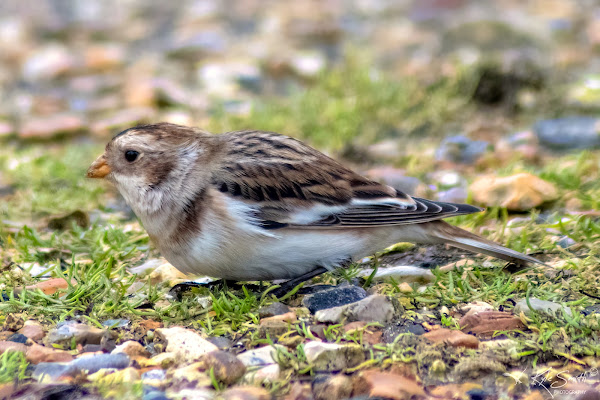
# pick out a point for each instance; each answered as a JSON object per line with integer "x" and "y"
{"x": 99, "y": 168}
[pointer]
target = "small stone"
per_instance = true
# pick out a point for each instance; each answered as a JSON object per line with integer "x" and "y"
{"x": 569, "y": 133}
{"x": 299, "y": 391}
{"x": 487, "y": 322}
{"x": 544, "y": 307}
{"x": 453, "y": 195}
{"x": 154, "y": 377}
{"x": 272, "y": 328}
{"x": 370, "y": 334}
{"x": 226, "y": 367}
{"x": 51, "y": 126}
{"x": 66, "y": 332}
{"x": 246, "y": 393}
{"x": 395, "y": 178}
{"x": 258, "y": 357}
{"x": 399, "y": 273}
{"x": 458, "y": 264}
{"x": 191, "y": 374}
{"x": 520, "y": 192}
{"x": 273, "y": 309}
{"x": 51, "y": 286}
{"x": 565, "y": 242}
{"x": 376, "y": 308}
{"x": 269, "y": 373}
{"x": 335, "y": 297}
{"x": 452, "y": 338}
{"x": 12, "y": 346}
{"x": 375, "y": 383}
{"x": 162, "y": 360}
{"x": 132, "y": 349}
{"x": 287, "y": 317}
{"x": 48, "y": 62}
{"x": 33, "y": 330}
{"x": 105, "y": 56}
{"x": 185, "y": 343}
{"x": 167, "y": 275}
{"x": 386, "y": 150}
{"x": 37, "y": 354}
{"x": 111, "y": 378}
{"x": 48, "y": 372}
{"x": 476, "y": 306}
{"x": 405, "y": 287}
{"x": 116, "y": 323}
{"x": 308, "y": 65}
{"x": 333, "y": 387}
{"x": 460, "y": 149}
{"x": 455, "y": 391}
{"x": 333, "y": 356}
{"x": 13, "y": 322}
{"x": 17, "y": 338}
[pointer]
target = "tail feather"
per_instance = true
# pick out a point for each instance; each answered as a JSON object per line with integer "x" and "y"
{"x": 443, "y": 232}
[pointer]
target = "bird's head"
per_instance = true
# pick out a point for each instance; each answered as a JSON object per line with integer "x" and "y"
{"x": 148, "y": 161}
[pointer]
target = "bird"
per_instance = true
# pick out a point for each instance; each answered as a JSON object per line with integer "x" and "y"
{"x": 253, "y": 205}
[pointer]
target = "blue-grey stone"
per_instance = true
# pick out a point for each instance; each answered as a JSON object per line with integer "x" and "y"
{"x": 338, "y": 296}
{"x": 115, "y": 323}
{"x": 565, "y": 242}
{"x": 461, "y": 149}
{"x": 569, "y": 133}
{"x": 17, "y": 337}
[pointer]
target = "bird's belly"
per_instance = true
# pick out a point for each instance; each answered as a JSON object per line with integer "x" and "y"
{"x": 287, "y": 254}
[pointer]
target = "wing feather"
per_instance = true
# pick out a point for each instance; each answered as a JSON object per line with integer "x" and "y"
{"x": 292, "y": 185}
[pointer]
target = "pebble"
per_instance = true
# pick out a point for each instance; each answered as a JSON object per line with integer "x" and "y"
{"x": 49, "y": 372}
{"x": 258, "y": 357}
{"x": 122, "y": 119}
{"x": 12, "y": 346}
{"x": 335, "y": 297}
{"x": 486, "y": 322}
{"x": 110, "y": 377}
{"x": 37, "y": 354}
{"x": 154, "y": 377}
{"x": 395, "y": 178}
{"x": 116, "y": 323}
{"x": 167, "y": 275}
{"x": 13, "y": 322}
{"x": 246, "y": 393}
{"x": 226, "y": 367}
{"x": 544, "y": 307}
{"x": 332, "y": 387}
{"x": 66, "y": 332}
{"x": 476, "y": 306}
{"x": 377, "y": 384}
{"x": 333, "y": 356}
{"x": 185, "y": 343}
{"x": 453, "y": 195}
{"x": 273, "y": 309}
{"x": 568, "y": 133}
{"x": 452, "y": 338}
{"x": 520, "y": 192}
{"x": 190, "y": 375}
{"x": 375, "y": 308}
{"x": 461, "y": 149}
{"x": 33, "y": 330}
{"x": 399, "y": 273}
{"x": 132, "y": 349}
{"x": 17, "y": 338}
{"x": 50, "y": 126}
{"x": 269, "y": 373}
{"x": 48, "y": 62}
{"x": 50, "y": 286}
{"x": 565, "y": 242}
{"x": 308, "y": 65}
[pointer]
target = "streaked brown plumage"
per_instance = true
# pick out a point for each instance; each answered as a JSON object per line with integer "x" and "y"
{"x": 257, "y": 205}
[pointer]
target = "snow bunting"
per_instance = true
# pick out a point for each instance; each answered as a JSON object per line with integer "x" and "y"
{"x": 255, "y": 205}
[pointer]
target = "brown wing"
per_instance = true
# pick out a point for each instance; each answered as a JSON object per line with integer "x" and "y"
{"x": 266, "y": 167}
{"x": 285, "y": 178}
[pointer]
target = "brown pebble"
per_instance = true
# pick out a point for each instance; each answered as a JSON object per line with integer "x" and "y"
{"x": 37, "y": 353}
{"x": 226, "y": 367}
{"x": 452, "y": 338}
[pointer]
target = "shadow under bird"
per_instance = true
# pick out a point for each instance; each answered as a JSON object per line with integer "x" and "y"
{"x": 254, "y": 205}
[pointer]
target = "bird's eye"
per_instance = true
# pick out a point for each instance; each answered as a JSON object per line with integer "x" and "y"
{"x": 131, "y": 155}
